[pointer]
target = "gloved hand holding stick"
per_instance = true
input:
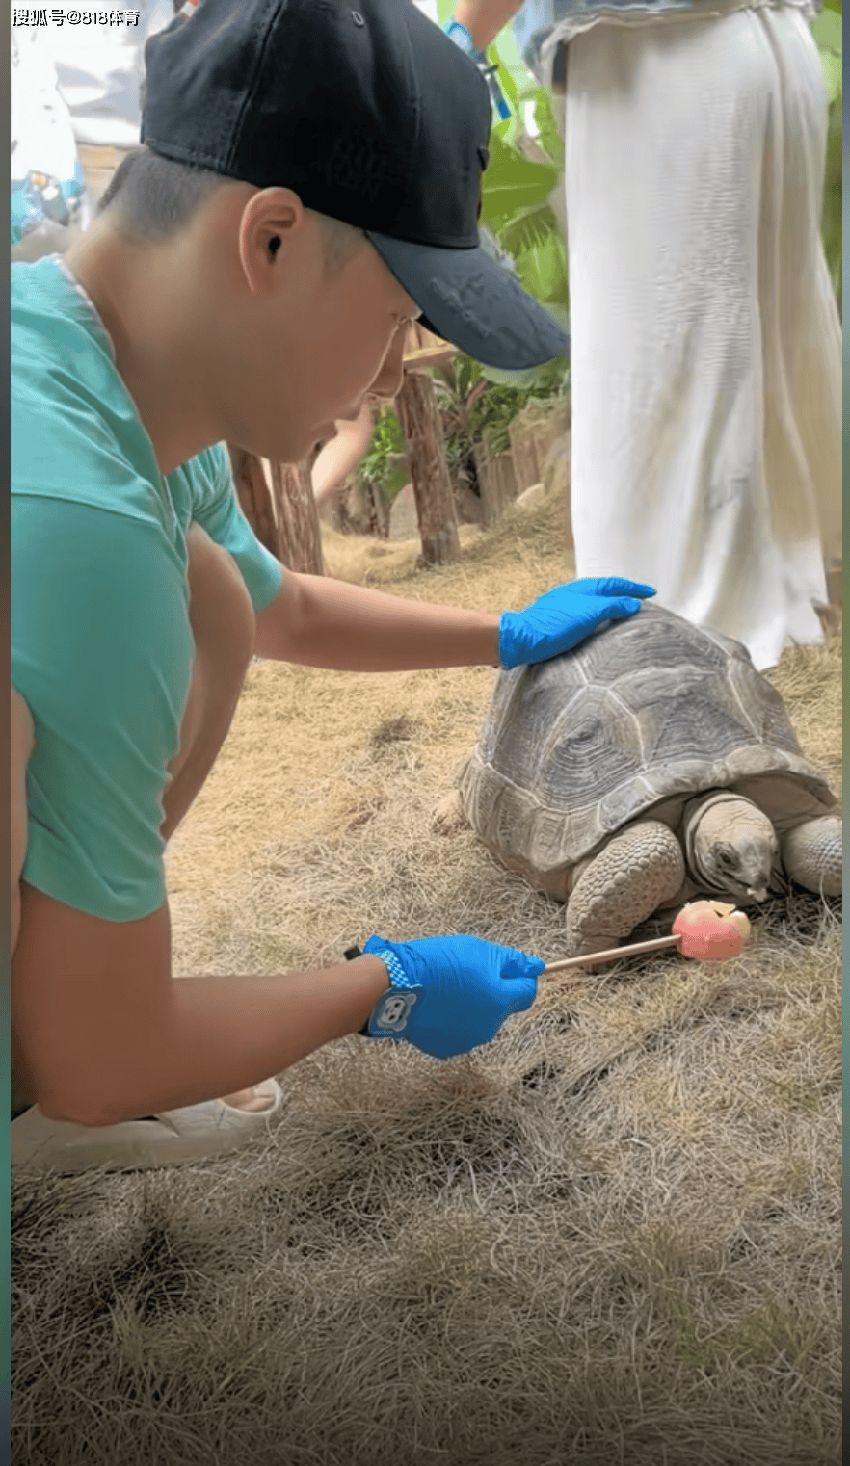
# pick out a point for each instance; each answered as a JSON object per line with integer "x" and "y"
{"x": 447, "y": 995}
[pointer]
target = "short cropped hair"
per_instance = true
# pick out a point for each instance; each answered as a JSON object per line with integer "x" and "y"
{"x": 151, "y": 198}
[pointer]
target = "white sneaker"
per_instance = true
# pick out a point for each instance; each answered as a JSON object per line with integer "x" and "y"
{"x": 174, "y": 1138}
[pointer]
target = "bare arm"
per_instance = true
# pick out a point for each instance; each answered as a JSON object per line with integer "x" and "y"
{"x": 485, "y": 18}
{"x": 107, "y": 1034}
{"x": 319, "y": 622}
{"x": 342, "y": 454}
{"x": 23, "y": 742}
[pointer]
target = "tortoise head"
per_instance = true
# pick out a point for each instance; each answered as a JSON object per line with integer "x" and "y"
{"x": 733, "y": 847}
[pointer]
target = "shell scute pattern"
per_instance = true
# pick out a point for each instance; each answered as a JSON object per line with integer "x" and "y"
{"x": 650, "y": 709}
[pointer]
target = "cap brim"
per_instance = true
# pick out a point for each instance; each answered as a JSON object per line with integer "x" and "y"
{"x": 471, "y": 301}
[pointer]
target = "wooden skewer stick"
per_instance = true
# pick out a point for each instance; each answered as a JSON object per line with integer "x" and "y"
{"x": 660, "y": 944}
{"x": 709, "y": 930}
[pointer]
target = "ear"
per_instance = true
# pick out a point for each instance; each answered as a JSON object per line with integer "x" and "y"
{"x": 273, "y": 222}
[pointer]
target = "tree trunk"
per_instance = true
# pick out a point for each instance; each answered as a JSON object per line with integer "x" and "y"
{"x": 255, "y": 497}
{"x": 297, "y": 518}
{"x": 416, "y": 405}
{"x": 282, "y": 513}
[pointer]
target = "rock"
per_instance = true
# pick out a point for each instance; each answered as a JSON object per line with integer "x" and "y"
{"x": 470, "y": 509}
{"x": 449, "y": 817}
{"x": 403, "y": 524}
{"x": 531, "y": 498}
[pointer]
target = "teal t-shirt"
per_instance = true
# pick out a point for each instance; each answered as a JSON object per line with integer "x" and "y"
{"x": 101, "y": 640}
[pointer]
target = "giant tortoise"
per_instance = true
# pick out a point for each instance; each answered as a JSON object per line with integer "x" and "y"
{"x": 649, "y": 764}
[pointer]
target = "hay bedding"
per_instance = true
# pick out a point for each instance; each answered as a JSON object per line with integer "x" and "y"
{"x": 611, "y": 1237}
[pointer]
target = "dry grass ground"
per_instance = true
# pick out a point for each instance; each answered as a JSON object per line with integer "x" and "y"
{"x": 611, "y": 1237}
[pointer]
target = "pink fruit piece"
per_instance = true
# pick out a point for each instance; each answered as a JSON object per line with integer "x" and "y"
{"x": 710, "y": 930}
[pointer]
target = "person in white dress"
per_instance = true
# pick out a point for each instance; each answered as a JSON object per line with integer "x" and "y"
{"x": 705, "y": 337}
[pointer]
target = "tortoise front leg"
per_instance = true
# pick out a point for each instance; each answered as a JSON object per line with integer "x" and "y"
{"x": 811, "y": 854}
{"x": 640, "y": 869}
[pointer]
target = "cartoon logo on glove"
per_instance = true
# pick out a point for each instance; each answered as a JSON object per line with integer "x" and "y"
{"x": 392, "y": 1012}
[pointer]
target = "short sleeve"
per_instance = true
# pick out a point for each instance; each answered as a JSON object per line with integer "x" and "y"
{"x": 101, "y": 653}
{"x": 218, "y": 512}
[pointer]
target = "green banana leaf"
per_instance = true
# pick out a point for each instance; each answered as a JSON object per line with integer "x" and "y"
{"x": 529, "y": 227}
{"x": 826, "y": 31}
{"x": 543, "y": 269}
{"x": 549, "y": 138}
{"x": 512, "y": 184}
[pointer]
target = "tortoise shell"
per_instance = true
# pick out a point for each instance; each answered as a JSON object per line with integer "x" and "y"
{"x": 649, "y": 709}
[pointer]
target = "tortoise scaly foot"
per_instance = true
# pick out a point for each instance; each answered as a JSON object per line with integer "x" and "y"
{"x": 812, "y": 855}
{"x": 638, "y": 871}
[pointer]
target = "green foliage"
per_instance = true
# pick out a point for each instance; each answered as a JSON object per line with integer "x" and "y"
{"x": 512, "y": 185}
{"x": 515, "y": 207}
{"x": 831, "y": 222}
{"x": 826, "y": 30}
{"x": 380, "y": 464}
{"x": 491, "y": 416}
{"x": 478, "y": 413}
{"x": 519, "y": 213}
{"x": 541, "y": 259}
{"x": 550, "y": 139}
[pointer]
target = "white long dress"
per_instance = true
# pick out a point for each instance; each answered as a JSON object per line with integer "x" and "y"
{"x": 706, "y": 344}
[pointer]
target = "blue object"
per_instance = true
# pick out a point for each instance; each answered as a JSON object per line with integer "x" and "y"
{"x": 461, "y": 37}
{"x": 41, "y": 197}
{"x": 447, "y": 995}
{"x": 101, "y": 642}
{"x": 563, "y": 617}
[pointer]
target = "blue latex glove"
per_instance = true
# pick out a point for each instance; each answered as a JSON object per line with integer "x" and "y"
{"x": 450, "y": 994}
{"x": 563, "y": 617}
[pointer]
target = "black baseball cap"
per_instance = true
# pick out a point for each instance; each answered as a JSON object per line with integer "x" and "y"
{"x": 373, "y": 117}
